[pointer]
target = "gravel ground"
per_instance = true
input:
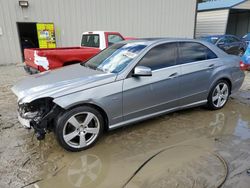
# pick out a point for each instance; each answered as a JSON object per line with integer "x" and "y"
{"x": 24, "y": 160}
{"x": 20, "y": 157}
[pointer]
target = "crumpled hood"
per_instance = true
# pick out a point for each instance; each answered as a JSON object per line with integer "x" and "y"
{"x": 60, "y": 82}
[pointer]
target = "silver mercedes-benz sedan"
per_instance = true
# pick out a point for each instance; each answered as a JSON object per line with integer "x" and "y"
{"x": 126, "y": 83}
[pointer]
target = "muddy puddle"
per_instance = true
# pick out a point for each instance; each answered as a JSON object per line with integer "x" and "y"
{"x": 191, "y": 148}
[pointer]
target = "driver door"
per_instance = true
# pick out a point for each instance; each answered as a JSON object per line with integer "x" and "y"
{"x": 154, "y": 94}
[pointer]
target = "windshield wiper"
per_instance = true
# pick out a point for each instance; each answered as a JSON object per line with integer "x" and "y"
{"x": 91, "y": 67}
{"x": 88, "y": 66}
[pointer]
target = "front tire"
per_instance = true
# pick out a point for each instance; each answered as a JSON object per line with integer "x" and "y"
{"x": 218, "y": 95}
{"x": 79, "y": 128}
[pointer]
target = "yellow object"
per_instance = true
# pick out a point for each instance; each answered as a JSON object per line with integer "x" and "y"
{"x": 46, "y": 35}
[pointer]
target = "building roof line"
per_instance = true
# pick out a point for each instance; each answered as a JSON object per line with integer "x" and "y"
{"x": 219, "y": 4}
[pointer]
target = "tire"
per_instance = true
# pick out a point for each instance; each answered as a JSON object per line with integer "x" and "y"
{"x": 27, "y": 69}
{"x": 79, "y": 128}
{"x": 218, "y": 95}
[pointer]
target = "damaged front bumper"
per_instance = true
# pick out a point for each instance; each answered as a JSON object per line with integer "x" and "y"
{"x": 39, "y": 115}
{"x": 25, "y": 117}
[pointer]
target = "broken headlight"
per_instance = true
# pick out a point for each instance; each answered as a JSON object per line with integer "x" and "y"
{"x": 36, "y": 109}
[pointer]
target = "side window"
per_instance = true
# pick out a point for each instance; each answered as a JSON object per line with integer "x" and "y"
{"x": 191, "y": 51}
{"x": 114, "y": 39}
{"x": 210, "y": 53}
{"x": 160, "y": 56}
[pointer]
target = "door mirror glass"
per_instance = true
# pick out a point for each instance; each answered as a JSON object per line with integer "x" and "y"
{"x": 142, "y": 71}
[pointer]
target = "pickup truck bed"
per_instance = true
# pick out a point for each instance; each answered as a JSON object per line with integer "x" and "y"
{"x": 57, "y": 57}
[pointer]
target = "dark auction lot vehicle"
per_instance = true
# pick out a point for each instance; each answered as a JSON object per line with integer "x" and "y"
{"x": 228, "y": 43}
{"x": 40, "y": 59}
{"x": 128, "y": 82}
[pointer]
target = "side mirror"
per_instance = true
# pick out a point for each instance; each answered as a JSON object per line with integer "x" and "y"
{"x": 142, "y": 71}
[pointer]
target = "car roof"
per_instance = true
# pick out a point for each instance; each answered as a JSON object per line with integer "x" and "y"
{"x": 155, "y": 41}
{"x": 219, "y": 36}
{"x": 150, "y": 41}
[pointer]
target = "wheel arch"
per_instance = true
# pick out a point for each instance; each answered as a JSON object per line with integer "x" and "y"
{"x": 210, "y": 102}
{"x": 227, "y": 79}
{"x": 95, "y": 106}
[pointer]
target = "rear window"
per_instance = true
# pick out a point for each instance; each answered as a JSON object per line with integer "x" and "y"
{"x": 90, "y": 40}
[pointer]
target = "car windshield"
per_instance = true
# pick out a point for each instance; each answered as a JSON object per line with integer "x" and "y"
{"x": 212, "y": 40}
{"x": 115, "y": 58}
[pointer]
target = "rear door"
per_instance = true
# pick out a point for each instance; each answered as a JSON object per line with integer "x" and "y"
{"x": 197, "y": 64}
{"x": 157, "y": 93}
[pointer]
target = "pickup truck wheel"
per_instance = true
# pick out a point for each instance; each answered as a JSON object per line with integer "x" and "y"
{"x": 218, "y": 95}
{"x": 79, "y": 128}
{"x": 27, "y": 69}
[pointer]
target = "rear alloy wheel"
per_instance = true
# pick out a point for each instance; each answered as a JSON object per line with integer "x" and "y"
{"x": 219, "y": 95}
{"x": 79, "y": 128}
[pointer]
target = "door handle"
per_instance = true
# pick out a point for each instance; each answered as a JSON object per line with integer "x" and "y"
{"x": 173, "y": 75}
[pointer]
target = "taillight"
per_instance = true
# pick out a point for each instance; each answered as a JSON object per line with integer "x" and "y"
{"x": 242, "y": 66}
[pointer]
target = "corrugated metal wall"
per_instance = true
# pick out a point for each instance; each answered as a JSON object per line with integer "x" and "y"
{"x": 138, "y": 18}
{"x": 238, "y": 23}
{"x": 211, "y": 22}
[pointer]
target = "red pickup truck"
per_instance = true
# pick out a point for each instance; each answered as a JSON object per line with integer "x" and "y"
{"x": 39, "y": 59}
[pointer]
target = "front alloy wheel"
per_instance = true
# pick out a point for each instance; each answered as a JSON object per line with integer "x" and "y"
{"x": 219, "y": 95}
{"x": 79, "y": 128}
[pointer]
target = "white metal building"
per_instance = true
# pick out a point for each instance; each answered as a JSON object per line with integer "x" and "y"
{"x": 69, "y": 18}
{"x": 223, "y": 17}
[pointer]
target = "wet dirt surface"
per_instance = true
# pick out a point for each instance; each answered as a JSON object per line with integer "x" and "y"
{"x": 191, "y": 148}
